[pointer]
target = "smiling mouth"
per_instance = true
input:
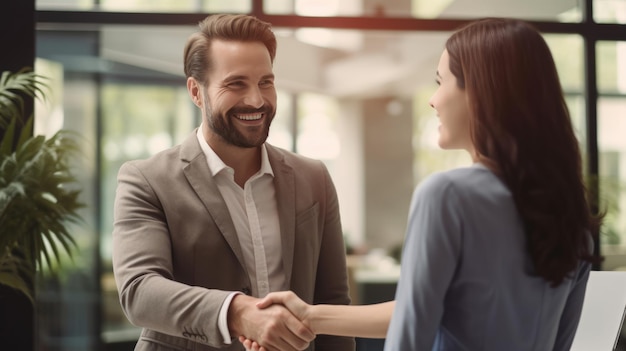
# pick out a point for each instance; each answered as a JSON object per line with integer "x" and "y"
{"x": 249, "y": 117}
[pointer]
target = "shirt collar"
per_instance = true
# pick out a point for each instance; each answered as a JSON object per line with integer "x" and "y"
{"x": 216, "y": 165}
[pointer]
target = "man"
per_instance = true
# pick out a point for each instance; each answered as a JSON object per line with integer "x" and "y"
{"x": 204, "y": 228}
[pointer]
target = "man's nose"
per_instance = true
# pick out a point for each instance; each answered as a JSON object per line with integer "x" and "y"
{"x": 254, "y": 98}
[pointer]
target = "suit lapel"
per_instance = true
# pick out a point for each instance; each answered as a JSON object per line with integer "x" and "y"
{"x": 284, "y": 183}
{"x": 199, "y": 177}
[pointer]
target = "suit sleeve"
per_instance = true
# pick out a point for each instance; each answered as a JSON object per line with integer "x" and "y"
{"x": 143, "y": 268}
{"x": 332, "y": 277}
{"x": 430, "y": 256}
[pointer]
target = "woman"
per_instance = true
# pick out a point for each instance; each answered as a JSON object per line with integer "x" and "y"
{"x": 497, "y": 255}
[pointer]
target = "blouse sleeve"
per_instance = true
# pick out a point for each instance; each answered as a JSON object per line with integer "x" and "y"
{"x": 570, "y": 317}
{"x": 430, "y": 256}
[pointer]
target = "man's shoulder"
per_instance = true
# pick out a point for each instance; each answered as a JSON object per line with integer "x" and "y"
{"x": 162, "y": 159}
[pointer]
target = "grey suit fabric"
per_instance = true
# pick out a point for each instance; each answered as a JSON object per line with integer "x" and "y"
{"x": 176, "y": 255}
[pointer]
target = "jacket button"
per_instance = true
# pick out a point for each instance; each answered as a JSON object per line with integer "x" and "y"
{"x": 246, "y": 291}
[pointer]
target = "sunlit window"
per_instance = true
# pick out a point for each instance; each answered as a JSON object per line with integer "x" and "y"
{"x": 209, "y": 6}
{"x": 317, "y": 137}
{"x": 612, "y": 144}
{"x": 609, "y": 11}
{"x": 138, "y": 120}
{"x": 281, "y": 131}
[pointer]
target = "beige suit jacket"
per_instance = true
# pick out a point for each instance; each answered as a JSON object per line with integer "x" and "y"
{"x": 176, "y": 255}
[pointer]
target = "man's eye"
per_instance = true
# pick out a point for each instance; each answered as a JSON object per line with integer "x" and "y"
{"x": 236, "y": 84}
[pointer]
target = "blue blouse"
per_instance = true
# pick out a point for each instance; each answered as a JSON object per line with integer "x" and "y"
{"x": 466, "y": 279}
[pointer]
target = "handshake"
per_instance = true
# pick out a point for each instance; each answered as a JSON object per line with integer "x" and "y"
{"x": 287, "y": 323}
{"x": 281, "y": 321}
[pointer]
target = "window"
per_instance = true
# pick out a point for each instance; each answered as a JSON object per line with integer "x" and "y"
{"x": 612, "y": 150}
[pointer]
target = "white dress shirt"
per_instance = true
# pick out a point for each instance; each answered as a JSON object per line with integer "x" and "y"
{"x": 254, "y": 213}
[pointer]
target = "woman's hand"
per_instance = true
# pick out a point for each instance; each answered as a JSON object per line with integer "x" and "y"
{"x": 250, "y": 345}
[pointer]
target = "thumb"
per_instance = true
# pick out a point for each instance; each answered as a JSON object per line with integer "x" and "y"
{"x": 280, "y": 297}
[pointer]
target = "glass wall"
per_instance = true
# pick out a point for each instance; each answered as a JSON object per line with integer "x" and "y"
{"x": 139, "y": 119}
{"x": 68, "y": 302}
{"x": 612, "y": 150}
{"x": 555, "y": 10}
{"x": 165, "y": 6}
{"x": 609, "y": 11}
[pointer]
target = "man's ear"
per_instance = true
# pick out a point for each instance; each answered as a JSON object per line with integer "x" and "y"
{"x": 194, "y": 91}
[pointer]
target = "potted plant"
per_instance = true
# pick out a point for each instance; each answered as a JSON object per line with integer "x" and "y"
{"x": 37, "y": 200}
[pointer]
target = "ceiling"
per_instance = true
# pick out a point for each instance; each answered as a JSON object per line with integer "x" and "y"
{"x": 342, "y": 63}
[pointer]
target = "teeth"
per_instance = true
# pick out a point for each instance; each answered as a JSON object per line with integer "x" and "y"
{"x": 252, "y": 117}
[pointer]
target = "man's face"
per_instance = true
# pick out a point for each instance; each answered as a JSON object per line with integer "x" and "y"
{"x": 240, "y": 98}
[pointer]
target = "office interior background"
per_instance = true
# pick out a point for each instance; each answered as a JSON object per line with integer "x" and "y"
{"x": 353, "y": 79}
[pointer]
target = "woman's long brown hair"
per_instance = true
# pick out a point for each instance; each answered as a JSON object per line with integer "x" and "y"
{"x": 521, "y": 130}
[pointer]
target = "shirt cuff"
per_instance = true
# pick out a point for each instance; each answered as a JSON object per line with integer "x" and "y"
{"x": 222, "y": 320}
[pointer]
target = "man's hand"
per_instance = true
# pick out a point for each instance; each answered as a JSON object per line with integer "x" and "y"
{"x": 274, "y": 327}
{"x": 288, "y": 299}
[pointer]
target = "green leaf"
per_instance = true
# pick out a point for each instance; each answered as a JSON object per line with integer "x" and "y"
{"x": 37, "y": 201}
{"x": 7, "y": 141}
{"x": 14, "y": 87}
{"x": 13, "y": 273}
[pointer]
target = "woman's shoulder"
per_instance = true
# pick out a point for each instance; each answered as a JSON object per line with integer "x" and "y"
{"x": 465, "y": 177}
{"x": 474, "y": 182}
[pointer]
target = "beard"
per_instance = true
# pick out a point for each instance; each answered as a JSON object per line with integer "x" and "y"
{"x": 222, "y": 124}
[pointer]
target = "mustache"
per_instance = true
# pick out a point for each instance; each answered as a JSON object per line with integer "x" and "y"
{"x": 245, "y": 110}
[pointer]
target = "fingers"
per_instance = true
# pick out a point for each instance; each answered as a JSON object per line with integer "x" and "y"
{"x": 284, "y": 331}
{"x": 274, "y": 327}
{"x": 247, "y": 343}
{"x": 290, "y": 300}
{"x": 251, "y": 345}
{"x": 297, "y": 327}
{"x": 275, "y": 297}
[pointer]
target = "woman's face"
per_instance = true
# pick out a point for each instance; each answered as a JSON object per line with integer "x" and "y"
{"x": 450, "y": 103}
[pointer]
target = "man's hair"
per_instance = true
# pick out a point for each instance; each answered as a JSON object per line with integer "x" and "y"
{"x": 244, "y": 28}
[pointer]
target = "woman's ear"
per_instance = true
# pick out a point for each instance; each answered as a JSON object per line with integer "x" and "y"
{"x": 194, "y": 91}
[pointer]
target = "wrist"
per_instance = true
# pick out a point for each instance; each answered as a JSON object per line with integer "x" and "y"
{"x": 311, "y": 318}
{"x": 235, "y": 312}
